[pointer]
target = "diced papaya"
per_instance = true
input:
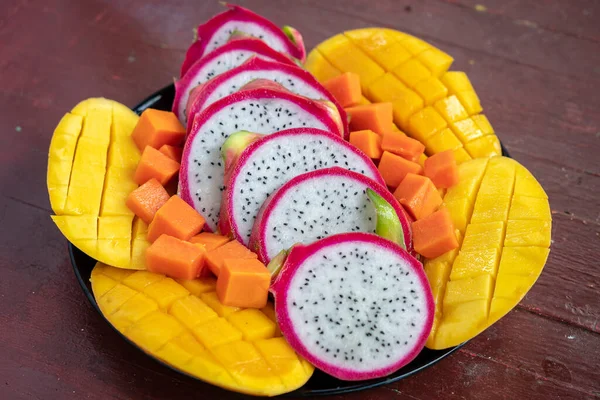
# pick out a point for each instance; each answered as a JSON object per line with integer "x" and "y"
{"x": 402, "y": 146}
{"x": 173, "y": 152}
{"x": 175, "y": 218}
{"x": 155, "y": 164}
{"x": 243, "y": 283}
{"x": 377, "y": 117}
{"x": 156, "y": 128}
{"x": 368, "y": 142}
{"x": 345, "y": 88}
{"x": 434, "y": 235}
{"x": 394, "y": 168}
{"x": 418, "y": 195}
{"x": 234, "y": 249}
{"x": 210, "y": 241}
{"x": 441, "y": 168}
{"x": 147, "y": 199}
{"x": 175, "y": 258}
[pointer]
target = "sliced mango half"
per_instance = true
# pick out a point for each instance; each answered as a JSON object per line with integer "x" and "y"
{"x": 183, "y": 324}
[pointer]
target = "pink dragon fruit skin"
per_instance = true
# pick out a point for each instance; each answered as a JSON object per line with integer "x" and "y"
{"x": 266, "y": 221}
{"x": 217, "y": 30}
{"x": 226, "y": 57}
{"x": 201, "y": 172}
{"x": 403, "y": 275}
{"x": 294, "y": 144}
{"x": 294, "y": 79}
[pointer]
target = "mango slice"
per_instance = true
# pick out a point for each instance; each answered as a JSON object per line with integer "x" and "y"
{"x": 91, "y": 163}
{"x": 236, "y": 349}
{"x": 504, "y": 215}
{"x": 436, "y": 106}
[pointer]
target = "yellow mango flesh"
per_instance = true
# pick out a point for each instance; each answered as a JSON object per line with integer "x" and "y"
{"x": 413, "y": 75}
{"x": 91, "y": 162}
{"x": 171, "y": 321}
{"x": 504, "y": 216}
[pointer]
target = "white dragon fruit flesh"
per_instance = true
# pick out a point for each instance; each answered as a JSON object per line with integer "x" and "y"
{"x": 215, "y": 32}
{"x": 256, "y": 109}
{"x": 291, "y": 77}
{"x": 256, "y": 166}
{"x": 354, "y": 305}
{"x": 318, "y": 204}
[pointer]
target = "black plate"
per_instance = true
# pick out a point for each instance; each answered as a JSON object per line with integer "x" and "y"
{"x": 320, "y": 383}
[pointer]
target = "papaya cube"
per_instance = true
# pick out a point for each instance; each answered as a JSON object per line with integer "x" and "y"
{"x": 154, "y": 330}
{"x": 345, "y": 88}
{"x": 147, "y": 199}
{"x": 468, "y": 289}
{"x": 156, "y": 128}
{"x": 466, "y": 130}
{"x": 486, "y": 146}
{"x": 434, "y": 235}
{"x": 173, "y": 152}
{"x": 431, "y": 90}
{"x": 435, "y": 60}
{"x": 442, "y": 141}
{"x": 423, "y": 124}
{"x": 469, "y": 264}
{"x": 191, "y": 311}
{"x": 210, "y": 241}
{"x": 233, "y": 249}
{"x": 527, "y": 232}
{"x": 487, "y": 235}
{"x": 528, "y": 260}
{"x": 253, "y": 324}
{"x": 394, "y": 168}
{"x": 175, "y": 258}
{"x": 490, "y": 208}
{"x": 412, "y": 72}
{"x": 403, "y": 146}
{"x": 368, "y": 142}
{"x": 456, "y": 81}
{"x": 155, "y": 164}
{"x": 216, "y": 332}
{"x": 175, "y": 218}
{"x": 418, "y": 195}
{"x": 526, "y": 207}
{"x": 212, "y": 300}
{"x": 470, "y": 101}
{"x": 243, "y": 283}
{"x": 451, "y": 109}
{"x": 441, "y": 168}
{"x": 377, "y": 117}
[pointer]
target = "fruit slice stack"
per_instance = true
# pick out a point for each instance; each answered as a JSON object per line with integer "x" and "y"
{"x": 91, "y": 163}
{"x": 183, "y": 324}
{"x": 438, "y": 107}
{"x": 503, "y": 222}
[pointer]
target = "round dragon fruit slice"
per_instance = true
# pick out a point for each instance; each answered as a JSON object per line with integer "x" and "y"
{"x": 265, "y": 110}
{"x": 254, "y": 171}
{"x": 318, "y": 204}
{"x": 354, "y": 305}
{"x": 226, "y": 57}
{"x": 215, "y": 32}
{"x": 291, "y": 77}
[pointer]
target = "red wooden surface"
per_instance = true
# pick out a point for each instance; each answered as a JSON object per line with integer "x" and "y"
{"x": 535, "y": 65}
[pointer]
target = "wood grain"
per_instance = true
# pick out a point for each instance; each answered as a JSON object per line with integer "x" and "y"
{"x": 535, "y": 66}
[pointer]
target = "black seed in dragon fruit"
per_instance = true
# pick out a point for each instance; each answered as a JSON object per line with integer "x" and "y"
{"x": 237, "y": 21}
{"x": 258, "y": 165}
{"x": 316, "y": 205}
{"x": 354, "y": 305}
{"x": 226, "y": 57}
{"x": 263, "y": 109}
{"x": 291, "y": 77}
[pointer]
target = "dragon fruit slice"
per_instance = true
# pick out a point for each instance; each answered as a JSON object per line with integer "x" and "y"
{"x": 256, "y": 170}
{"x": 293, "y": 78}
{"x": 265, "y": 110}
{"x": 215, "y": 32}
{"x": 318, "y": 204}
{"x": 354, "y": 305}
{"x": 226, "y": 57}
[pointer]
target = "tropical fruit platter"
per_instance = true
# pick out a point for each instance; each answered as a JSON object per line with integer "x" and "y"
{"x": 279, "y": 218}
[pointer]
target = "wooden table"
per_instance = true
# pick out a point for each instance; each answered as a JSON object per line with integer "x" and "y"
{"x": 535, "y": 65}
